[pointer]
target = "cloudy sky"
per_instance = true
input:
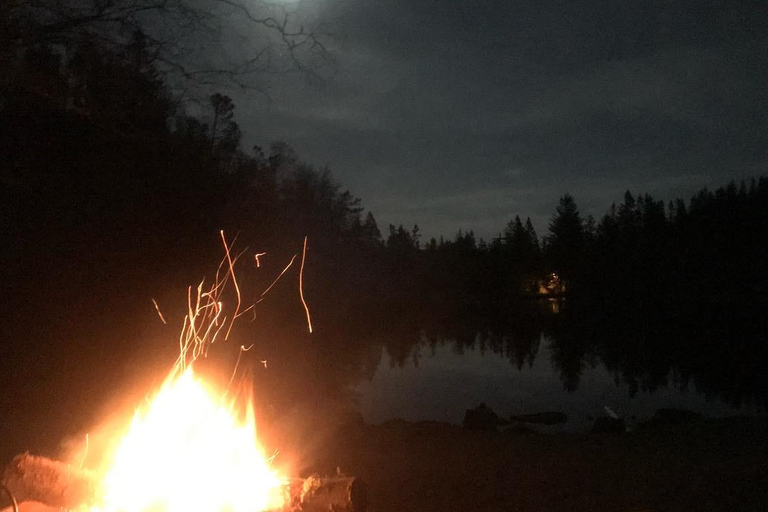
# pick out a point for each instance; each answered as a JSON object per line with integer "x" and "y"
{"x": 462, "y": 114}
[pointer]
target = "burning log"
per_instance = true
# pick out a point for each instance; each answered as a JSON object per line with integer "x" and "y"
{"x": 38, "y": 484}
{"x": 59, "y": 485}
{"x": 6, "y": 493}
{"x": 189, "y": 448}
{"x": 337, "y": 494}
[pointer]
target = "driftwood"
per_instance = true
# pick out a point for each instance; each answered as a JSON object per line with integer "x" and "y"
{"x": 38, "y": 484}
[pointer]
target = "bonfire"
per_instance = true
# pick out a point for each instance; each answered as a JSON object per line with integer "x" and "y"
{"x": 190, "y": 447}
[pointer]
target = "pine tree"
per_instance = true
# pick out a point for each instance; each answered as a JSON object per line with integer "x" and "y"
{"x": 565, "y": 242}
{"x": 370, "y": 229}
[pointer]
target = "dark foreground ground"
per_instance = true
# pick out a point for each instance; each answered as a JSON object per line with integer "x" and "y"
{"x": 704, "y": 466}
{"x": 708, "y": 465}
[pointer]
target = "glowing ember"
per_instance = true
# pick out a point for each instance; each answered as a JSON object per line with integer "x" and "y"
{"x": 187, "y": 451}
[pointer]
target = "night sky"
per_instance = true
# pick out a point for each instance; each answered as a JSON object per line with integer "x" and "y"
{"x": 456, "y": 114}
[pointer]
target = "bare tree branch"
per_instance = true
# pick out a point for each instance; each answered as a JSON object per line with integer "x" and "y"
{"x": 191, "y": 40}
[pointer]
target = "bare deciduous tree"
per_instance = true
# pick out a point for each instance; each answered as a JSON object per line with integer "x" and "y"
{"x": 243, "y": 42}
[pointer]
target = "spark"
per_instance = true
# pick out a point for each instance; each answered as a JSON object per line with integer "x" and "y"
{"x": 157, "y": 308}
{"x": 202, "y": 324}
{"x": 234, "y": 280}
{"x": 301, "y": 285}
{"x": 277, "y": 279}
{"x": 82, "y": 461}
{"x": 257, "y": 256}
{"x": 205, "y": 320}
{"x": 237, "y": 363}
{"x": 264, "y": 362}
{"x": 252, "y": 306}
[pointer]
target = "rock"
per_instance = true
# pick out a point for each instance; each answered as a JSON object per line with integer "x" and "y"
{"x": 608, "y": 425}
{"x": 541, "y": 418}
{"x": 482, "y": 417}
{"x": 520, "y": 429}
{"x": 664, "y": 417}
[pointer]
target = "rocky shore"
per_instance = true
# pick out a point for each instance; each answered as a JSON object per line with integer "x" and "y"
{"x": 704, "y": 465}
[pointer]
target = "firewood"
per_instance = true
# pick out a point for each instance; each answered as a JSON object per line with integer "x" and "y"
{"x": 337, "y": 494}
{"x": 40, "y": 484}
{"x": 50, "y": 482}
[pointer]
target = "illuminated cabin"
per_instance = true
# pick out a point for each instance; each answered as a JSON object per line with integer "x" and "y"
{"x": 551, "y": 285}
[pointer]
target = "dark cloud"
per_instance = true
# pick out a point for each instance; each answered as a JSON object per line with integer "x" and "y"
{"x": 454, "y": 114}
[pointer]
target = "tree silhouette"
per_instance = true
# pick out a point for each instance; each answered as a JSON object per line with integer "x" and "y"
{"x": 370, "y": 230}
{"x": 523, "y": 253}
{"x": 565, "y": 241}
{"x": 225, "y": 133}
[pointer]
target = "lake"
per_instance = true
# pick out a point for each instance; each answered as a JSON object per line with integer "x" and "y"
{"x": 440, "y": 383}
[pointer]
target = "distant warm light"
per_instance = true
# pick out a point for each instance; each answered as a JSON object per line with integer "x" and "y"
{"x": 553, "y": 284}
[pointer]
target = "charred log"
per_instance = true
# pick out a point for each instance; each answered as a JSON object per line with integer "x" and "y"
{"x": 49, "y": 485}
{"x": 336, "y": 494}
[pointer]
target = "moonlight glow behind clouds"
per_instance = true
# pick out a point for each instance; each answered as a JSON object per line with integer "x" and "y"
{"x": 432, "y": 107}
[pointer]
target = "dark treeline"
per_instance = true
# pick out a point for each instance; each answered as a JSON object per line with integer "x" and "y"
{"x": 660, "y": 294}
{"x": 113, "y": 195}
{"x": 709, "y": 249}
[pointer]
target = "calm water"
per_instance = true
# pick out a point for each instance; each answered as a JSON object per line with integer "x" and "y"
{"x": 440, "y": 382}
{"x": 519, "y": 358}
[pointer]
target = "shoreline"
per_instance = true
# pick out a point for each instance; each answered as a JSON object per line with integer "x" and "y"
{"x": 711, "y": 464}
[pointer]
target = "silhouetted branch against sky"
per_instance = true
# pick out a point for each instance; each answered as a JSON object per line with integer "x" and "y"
{"x": 205, "y": 42}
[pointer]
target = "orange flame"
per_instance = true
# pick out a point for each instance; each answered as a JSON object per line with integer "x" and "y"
{"x": 187, "y": 451}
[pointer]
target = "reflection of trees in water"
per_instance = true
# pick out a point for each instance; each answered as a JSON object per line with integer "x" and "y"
{"x": 728, "y": 354}
{"x": 569, "y": 347}
{"x": 716, "y": 350}
{"x": 514, "y": 334}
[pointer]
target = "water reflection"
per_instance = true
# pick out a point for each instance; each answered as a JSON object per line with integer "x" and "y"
{"x": 400, "y": 361}
{"x": 446, "y": 383}
{"x": 575, "y": 358}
